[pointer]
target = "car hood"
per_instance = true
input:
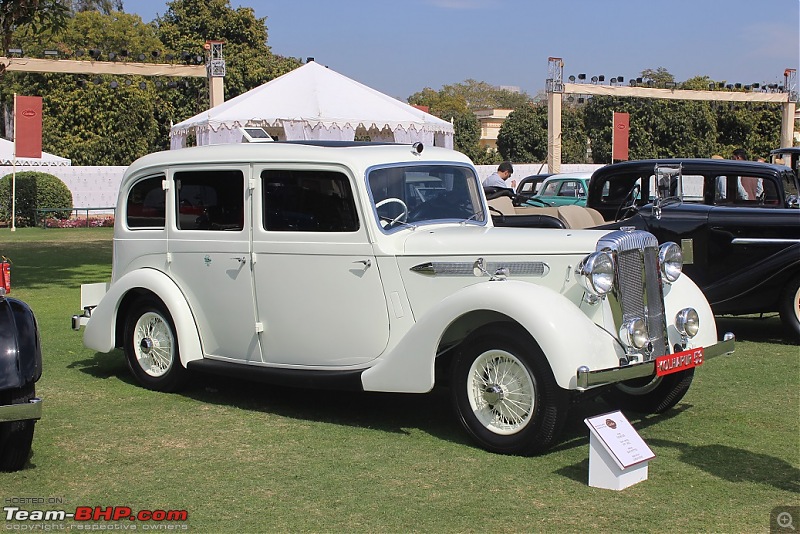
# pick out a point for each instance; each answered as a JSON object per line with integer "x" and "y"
{"x": 472, "y": 239}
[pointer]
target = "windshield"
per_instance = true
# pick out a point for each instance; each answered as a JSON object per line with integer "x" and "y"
{"x": 413, "y": 195}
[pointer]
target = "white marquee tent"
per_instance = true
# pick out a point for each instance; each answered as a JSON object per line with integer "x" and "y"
{"x": 7, "y": 157}
{"x": 315, "y": 102}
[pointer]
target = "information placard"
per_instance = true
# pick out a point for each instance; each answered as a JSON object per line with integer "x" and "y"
{"x": 620, "y": 439}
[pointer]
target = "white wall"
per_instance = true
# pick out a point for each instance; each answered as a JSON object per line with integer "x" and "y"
{"x": 91, "y": 187}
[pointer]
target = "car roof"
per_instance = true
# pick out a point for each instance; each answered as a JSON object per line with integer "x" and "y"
{"x": 583, "y": 175}
{"x": 699, "y": 164}
{"x": 357, "y": 155}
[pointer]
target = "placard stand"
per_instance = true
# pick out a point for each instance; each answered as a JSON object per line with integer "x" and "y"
{"x": 618, "y": 456}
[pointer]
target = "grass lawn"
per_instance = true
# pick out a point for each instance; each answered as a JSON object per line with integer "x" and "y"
{"x": 245, "y": 457}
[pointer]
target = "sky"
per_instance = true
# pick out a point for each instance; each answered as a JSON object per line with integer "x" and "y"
{"x": 402, "y": 47}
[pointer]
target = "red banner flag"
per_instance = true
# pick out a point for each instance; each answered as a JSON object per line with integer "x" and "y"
{"x": 28, "y": 127}
{"x": 619, "y": 137}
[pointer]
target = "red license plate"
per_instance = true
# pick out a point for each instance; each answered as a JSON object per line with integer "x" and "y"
{"x": 680, "y": 361}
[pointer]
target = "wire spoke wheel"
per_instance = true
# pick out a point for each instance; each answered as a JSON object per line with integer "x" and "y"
{"x": 504, "y": 392}
{"x": 151, "y": 346}
{"x": 501, "y": 392}
{"x": 154, "y": 344}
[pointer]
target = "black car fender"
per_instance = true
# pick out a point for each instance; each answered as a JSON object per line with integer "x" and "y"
{"x": 20, "y": 347}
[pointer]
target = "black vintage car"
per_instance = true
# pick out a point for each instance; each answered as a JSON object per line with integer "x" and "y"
{"x": 20, "y": 369}
{"x": 737, "y": 222}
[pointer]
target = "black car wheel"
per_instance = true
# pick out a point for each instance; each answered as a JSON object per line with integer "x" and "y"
{"x": 651, "y": 395}
{"x": 504, "y": 392}
{"x": 16, "y": 437}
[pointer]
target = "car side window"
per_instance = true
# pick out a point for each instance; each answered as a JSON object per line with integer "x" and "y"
{"x": 145, "y": 206}
{"x": 308, "y": 201}
{"x": 210, "y": 200}
{"x": 568, "y": 189}
{"x": 550, "y": 189}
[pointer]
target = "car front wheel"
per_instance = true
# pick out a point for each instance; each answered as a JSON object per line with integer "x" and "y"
{"x": 16, "y": 437}
{"x": 504, "y": 392}
{"x": 151, "y": 347}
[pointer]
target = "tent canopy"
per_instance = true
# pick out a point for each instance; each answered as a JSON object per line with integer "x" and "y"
{"x": 7, "y": 157}
{"x": 315, "y": 102}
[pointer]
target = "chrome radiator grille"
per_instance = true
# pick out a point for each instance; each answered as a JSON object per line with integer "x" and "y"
{"x": 638, "y": 283}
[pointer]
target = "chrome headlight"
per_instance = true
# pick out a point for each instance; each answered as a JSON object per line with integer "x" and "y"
{"x": 687, "y": 322}
{"x": 596, "y": 273}
{"x": 670, "y": 260}
{"x": 633, "y": 333}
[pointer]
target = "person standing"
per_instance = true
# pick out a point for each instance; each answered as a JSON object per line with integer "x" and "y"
{"x": 499, "y": 177}
{"x": 751, "y": 188}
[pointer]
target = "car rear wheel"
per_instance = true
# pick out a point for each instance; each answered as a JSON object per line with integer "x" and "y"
{"x": 646, "y": 395}
{"x": 16, "y": 437}
{"x": 790, "y": 307}
{"x": 504, "y": 392}
{"x": 151, "y": 347}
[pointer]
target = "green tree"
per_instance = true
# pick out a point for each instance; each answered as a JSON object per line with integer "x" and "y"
{"x": 658, "y": 77}
{"x": 188, "y": 24}
{"x": 95, "y": 123}
{"x": 523, "y": 136}
{"x": 39, "y": 16}
{"x": 105, "y": 7}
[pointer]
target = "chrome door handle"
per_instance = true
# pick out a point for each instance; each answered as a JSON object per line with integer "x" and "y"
{"x": 241, "y": 259}
{"x": 365, "y": 263}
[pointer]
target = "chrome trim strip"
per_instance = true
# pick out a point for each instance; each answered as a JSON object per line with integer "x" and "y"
{"x": 515, "y": 268}
{"x": 763, "y": 241}
{"x": 588, "y": 379}
{"x": 21, "y": 412}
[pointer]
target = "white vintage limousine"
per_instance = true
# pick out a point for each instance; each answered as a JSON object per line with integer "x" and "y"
{"x": 377, "y": 267}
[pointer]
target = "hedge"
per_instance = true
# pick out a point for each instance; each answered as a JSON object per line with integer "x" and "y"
{"x": 34, "y": 190}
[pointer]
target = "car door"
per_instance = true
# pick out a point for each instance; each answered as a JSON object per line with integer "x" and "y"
{"x": 209, "y": 258}
{"x": 318, "y": 289}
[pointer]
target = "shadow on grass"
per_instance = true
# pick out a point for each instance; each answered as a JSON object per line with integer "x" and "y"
{"x": 40, "y": 265}
{"x": 728, "y": 463}
{"x": 757, "y": 328}
{"x": 387, "y": 412}
{"x": 737, "y": 465}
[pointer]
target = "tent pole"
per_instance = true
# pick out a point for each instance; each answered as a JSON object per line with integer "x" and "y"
{"x": 14, "y": 171}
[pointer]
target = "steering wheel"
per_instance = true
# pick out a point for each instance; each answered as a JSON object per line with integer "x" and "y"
{"x": 533, "y": 201}
{"x": 628, "y": 204}
{"x": 400, "y": 218}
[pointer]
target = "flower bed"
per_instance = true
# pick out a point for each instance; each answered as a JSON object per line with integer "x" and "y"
{"x": 93, "y": 222}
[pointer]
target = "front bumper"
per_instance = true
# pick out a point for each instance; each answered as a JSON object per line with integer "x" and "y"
{"x": 21, "y": 412}
{"x": 588, "y": 379}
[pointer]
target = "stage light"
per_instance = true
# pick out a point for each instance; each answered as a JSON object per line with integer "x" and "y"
{"x": 572, "y": 78}
{"x": 141, "y": 57}
{"x": 14, "y": 52}
{"x": 142, "y": 86}
{"x": 94, "y": 53}
{"x": 114, "y": 84}
{"x": 581, "y": 76}
{"x": 51, "y": 54}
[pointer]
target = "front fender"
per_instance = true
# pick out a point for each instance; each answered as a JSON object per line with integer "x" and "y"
{"x": 20, "y": 348}
{"x": 568, "y": 338}
{"x": 684, "y": 293}
{"x": 101, "y": 328}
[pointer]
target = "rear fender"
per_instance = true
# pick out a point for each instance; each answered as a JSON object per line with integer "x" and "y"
{"x": 100, "y": 332}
